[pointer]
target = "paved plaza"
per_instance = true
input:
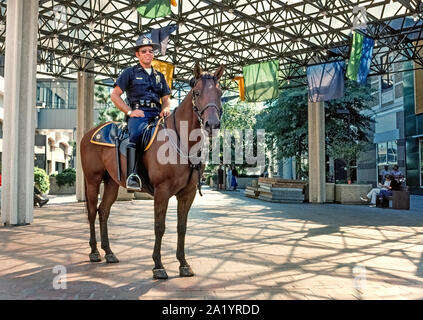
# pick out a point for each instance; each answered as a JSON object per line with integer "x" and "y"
{"x": 239, "y": 248}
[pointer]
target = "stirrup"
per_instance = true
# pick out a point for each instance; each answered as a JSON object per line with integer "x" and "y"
{"x": 133, "y": 175}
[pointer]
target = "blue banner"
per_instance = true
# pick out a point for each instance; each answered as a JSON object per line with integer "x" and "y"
{"x": 366, "y": 59}
{"x": 326, "y": 81}
{"x": 161, "y": 36}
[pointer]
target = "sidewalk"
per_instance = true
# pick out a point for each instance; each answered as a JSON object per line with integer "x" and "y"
{"x": 239, "y": 248}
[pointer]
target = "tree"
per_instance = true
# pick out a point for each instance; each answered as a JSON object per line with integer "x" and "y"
{"x": 285, "y": 122}
{"x": 347, "y": 127}
{"x": 236, "y": 115}
{"x": 108, "y": 112}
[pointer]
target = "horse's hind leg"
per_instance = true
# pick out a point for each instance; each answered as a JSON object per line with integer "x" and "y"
{"x": 111, "y": 189}
{"x": 91, "y": 194}
{"x": 184, "y": 204}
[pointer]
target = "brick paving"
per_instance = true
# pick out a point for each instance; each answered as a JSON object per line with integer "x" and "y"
{"x": 239, "y": 248}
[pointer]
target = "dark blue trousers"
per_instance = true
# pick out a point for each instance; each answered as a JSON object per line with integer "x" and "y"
{"x": 385, "y": 193}
{"x": 136, "y": 126}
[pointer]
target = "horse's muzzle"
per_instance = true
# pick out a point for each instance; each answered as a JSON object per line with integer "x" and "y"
{"x": 211, "y": 124}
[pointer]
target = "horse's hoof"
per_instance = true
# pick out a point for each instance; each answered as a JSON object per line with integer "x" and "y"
{"x": 111, "y": 258}
{"x": 95, "y": 257}
{"x": 185, "y": 272}
{"x": 159, "y": 274}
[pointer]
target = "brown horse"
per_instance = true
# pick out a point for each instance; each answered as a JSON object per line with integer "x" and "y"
{"x": 200, "y": 109}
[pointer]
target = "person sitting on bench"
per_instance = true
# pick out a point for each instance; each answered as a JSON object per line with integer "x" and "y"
{"x": 385, "y": 193}
{"x": 376, "y": 191}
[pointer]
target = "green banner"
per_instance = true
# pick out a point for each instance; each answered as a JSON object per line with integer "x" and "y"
{"x": 356, "y": 51}
{"x": 261, "y": 81}
{"x": 155, "y": 9}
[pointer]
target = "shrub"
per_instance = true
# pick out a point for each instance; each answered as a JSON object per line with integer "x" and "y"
{"x": 67, "y": 176}
{"x": 41, "y": 180}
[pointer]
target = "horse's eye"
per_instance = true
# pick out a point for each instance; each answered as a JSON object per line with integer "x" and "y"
{"x": 196, "y": 93}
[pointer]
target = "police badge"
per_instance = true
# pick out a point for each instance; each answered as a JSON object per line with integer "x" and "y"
{"x": 157, "y": 78}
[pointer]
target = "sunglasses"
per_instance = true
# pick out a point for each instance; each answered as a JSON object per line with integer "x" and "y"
{"x": 147, "y": 50}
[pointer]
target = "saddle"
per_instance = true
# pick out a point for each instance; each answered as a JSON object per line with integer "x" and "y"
{"x": 113, "y": 133}
{"x": 116, "y": 134}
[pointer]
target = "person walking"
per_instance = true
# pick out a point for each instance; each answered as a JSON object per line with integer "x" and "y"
{"x": 220, "y": 178}
{"x": 234, "y": 183}
{"x": 229, "y": 178}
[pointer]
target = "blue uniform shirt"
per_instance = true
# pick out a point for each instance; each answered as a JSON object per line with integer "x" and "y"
{"x": 139, "y": 85}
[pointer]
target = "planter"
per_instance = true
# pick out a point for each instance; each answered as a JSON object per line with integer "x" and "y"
{"x": 350, "y": 193}
{"x": 57, "y": 190}
{"x": 330, "y": 193}
{"x": 123, "y": 194}
{"x": 244, "y": 182}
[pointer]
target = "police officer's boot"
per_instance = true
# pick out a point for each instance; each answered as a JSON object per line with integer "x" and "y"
{"x": 133, "y": 182}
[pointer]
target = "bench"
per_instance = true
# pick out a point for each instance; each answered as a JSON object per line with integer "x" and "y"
{"x": 400, "y": 199}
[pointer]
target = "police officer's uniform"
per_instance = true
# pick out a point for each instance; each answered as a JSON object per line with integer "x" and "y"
{"x": 143, "y": 91}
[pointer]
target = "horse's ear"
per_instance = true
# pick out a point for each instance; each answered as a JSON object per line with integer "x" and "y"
{"x": 219, "y": 72}
{"x": 197, "y": 70}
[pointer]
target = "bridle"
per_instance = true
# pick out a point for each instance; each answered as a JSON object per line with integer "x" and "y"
{"x": 199, "y": 114}
{"x": 197, "y": 111}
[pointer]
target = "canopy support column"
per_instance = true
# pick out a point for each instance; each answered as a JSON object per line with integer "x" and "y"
{"x": 19, "y": 113}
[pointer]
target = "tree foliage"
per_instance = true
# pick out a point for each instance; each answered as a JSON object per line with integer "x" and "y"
{"x": 347, "y": 127}
{"x": 236, "y": 116}
{"x": 108, "y": 112}
{"x": 41, "y": 180}
{"x": 285, "y": 122}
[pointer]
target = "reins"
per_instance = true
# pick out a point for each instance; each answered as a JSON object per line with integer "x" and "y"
{"x": 199, "y": 114}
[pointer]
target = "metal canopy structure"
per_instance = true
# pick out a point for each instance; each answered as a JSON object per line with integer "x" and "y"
{"x": 230, "y": 32}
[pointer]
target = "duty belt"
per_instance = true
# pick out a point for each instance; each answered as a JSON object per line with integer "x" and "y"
{"x": 144, "y": 104}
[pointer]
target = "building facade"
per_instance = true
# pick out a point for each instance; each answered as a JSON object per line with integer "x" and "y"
{"x": 397, "y": 134}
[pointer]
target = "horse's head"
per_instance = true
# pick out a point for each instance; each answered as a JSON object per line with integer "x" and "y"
{"x": 206, "y": 96}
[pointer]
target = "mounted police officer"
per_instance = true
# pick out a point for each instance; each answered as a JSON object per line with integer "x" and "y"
{"x": 147, "y": 97}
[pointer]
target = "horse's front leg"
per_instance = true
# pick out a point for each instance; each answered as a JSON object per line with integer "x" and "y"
{"x": 110, "y": 193}
{"x": 184, "y": 204}
{"x": 161, "y": 200}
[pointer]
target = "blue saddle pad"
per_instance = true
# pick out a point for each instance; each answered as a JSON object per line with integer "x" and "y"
{"x": 112, "y": 134}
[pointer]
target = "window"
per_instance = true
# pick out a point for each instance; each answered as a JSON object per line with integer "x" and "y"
{"x": 392, "y": 152}
{"x": 386, "y": 155}
{"x": 60, "y": 166}
{"x": 382, "y": 154}
{"x": 387, "y": 82}
{"x": 59, "y": 102}
{"x": 49, "y": 97}
{"x": 388, "y": 77}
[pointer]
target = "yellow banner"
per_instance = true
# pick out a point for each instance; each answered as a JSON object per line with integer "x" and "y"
{"x": 173, "y": 3}
{"x": 166, "y": 68}
{"x": 240, "y": 81}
